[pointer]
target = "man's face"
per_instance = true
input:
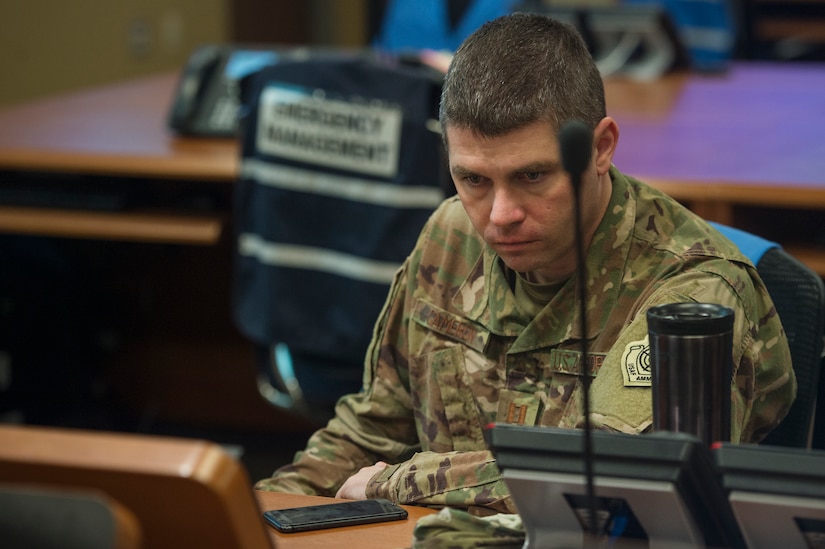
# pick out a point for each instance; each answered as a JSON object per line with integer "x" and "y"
{"x": 520, "y": 200}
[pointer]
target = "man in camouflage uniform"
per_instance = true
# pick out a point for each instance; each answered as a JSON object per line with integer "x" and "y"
{"x": 481, "y": 324}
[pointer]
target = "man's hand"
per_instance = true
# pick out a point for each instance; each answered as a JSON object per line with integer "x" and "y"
{"x": 355, "y": 487}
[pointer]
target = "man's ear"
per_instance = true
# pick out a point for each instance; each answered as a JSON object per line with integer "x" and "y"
{"x": 605, "y": 139}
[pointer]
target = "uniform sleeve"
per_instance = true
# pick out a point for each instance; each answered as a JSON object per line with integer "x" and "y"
{"x": 763, "y": 385}
{"x": 469, "y": 480}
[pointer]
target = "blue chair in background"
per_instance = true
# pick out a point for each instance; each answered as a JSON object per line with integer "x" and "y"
{"x": 400, "y": 26}
{"x": 799, "y": 297}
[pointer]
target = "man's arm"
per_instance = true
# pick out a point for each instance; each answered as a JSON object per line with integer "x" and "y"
{"x": 469, "y": 480}
{"x": 366, "y": 429}
{"x": 763, "y": 385}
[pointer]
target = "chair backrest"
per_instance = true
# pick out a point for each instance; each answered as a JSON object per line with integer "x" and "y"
{"x": 781, "y": 30}
{"x": 341, "y": 165}
{"x": 46, "y": 517}
{"x": 799, "y": 297}
{"x": 182, "y": 492}
{"x": 441, "y": 25}
{"x": 818, "y": 438}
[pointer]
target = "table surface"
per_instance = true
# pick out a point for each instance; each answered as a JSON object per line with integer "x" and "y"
{"x": 751, "y": 130}
{"x": 386, "y": 535}
{"x": 118, "y": 129}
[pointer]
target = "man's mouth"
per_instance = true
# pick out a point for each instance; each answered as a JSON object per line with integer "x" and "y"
{"x": 510, "y": 245}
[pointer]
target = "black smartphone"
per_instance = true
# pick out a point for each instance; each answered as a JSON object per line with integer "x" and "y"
{"x": 333, "y": 515}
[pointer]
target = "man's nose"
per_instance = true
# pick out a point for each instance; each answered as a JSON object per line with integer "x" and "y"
{"x": 506, "y": 208}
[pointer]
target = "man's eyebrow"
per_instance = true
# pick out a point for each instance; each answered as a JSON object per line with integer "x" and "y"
{"x": 544, "y": 166}
{"x": 461, "y": 171}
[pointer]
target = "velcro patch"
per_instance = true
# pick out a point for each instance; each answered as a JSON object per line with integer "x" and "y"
{"x": 518, "y": 408}
{"x": 636, "y": 366}
{"x": 450, "y": 325}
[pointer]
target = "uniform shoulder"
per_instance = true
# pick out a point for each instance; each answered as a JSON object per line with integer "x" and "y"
{"x": 663, "y": 222}
{"x": 449, "y": 242}
{"x": 449, "y": 222}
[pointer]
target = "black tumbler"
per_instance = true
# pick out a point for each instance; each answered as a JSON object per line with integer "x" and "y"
{"x": 691, "y": 353}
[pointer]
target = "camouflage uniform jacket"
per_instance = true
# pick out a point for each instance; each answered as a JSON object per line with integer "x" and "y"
{"x": 452, "y": 352}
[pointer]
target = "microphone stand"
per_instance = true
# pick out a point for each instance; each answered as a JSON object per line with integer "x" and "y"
{"x": 576, "y": 142}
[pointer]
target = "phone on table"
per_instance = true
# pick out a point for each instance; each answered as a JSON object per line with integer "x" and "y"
{"x": 333, "y": 515}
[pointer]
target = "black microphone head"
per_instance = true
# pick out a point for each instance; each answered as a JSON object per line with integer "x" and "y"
{"x": 576, "y": 146}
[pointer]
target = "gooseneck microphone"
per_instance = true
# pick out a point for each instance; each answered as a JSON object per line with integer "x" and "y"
{"x": 576, "y": 146}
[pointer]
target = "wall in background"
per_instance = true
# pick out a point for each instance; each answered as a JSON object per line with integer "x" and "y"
{"x": 52, "y": 46}
{"x": 339, "y": 22}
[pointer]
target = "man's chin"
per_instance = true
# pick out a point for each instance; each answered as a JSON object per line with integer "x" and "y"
{"x": 517, "y": 262}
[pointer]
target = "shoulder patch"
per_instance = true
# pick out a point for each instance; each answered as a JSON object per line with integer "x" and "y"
{"x": 636, "y": 366}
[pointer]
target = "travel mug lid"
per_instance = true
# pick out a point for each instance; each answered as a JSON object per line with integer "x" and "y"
{"x": 690, "y": 319}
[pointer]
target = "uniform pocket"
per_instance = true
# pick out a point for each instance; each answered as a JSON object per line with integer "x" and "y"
{"x": 562, "y": 369}
{"x": 444, "y": 402}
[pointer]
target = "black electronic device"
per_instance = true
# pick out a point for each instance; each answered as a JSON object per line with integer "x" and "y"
{"x": 654, "y": 490}
{"x": 777, "y": 494}
{"x": 334, "y": 515}
{"x": 209, "y": 95}
{"x": 207, "y": 98}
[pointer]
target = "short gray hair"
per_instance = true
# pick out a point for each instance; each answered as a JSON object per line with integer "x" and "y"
{"x": 519, "y": 69}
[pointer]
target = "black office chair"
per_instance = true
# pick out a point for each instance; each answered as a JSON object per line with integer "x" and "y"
{"x": 341, "y": 165}
{"x": 818, "y": 438}
{"x": 780, "y": 30}
{"x": 799, "y": 297}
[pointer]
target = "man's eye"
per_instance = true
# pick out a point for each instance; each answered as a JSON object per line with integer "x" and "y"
{"x": 532, "y": 176}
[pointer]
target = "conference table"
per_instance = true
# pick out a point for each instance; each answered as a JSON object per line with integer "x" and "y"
{"x": 118, "y": 132}
{"x": 386, "y": 535}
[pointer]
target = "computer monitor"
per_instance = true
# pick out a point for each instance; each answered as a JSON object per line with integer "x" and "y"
{"x": 182, "y": 492}
{"x": 777, "y": 494}
{"x": 654, "y": 490}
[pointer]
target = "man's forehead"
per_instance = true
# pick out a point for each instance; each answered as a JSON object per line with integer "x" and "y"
{"x": 535, "y": 129}
{"x": 533, "y": 143}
